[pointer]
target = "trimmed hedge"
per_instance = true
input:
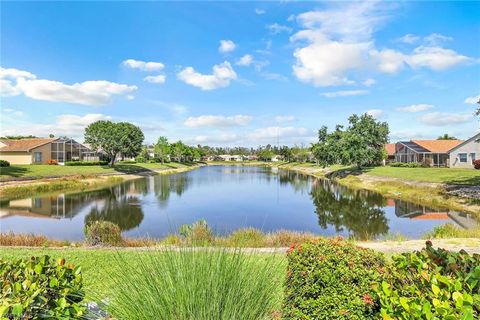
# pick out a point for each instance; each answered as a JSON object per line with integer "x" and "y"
{"x": 4, "y": 163}
{"x": 431, "y": 284}
{"x": 40, "y": 288}
{"x": 103, "y": 233}
{"x": 331, "y": 279}
{"x": 86, "y": 163}
{"x": 409, "y": 165}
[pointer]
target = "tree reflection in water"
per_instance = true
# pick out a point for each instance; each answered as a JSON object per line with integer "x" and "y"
{"x": 164, "y": 185}
{"x": 120, "y": 205}
{"x": 357, "y": 211}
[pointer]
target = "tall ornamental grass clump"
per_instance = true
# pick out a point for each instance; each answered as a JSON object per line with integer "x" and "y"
{"x": 331, "y": 279}
{"x": 104, "y": 233}
{"x": 197, "y": 283}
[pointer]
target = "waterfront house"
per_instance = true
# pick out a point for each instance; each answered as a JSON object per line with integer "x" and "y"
{"x": 430, "y": 152}
{"x": 44, "y": 150}
{"x": 464, "y": 154}
{"x": 390, "y": 150}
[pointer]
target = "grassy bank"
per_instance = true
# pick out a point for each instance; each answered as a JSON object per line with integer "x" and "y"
{"x": 22, "y": 172}
{"x": 424, "y": 186}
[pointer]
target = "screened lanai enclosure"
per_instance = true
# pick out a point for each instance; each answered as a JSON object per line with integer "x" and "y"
{"x": 407, "y": 151}
{"x": 66, "y": 149}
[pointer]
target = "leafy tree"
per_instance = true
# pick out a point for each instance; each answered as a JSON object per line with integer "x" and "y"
{"x": 286, "y": 153}
{"x": 265, "y": 154}
{"x": 179, "y": 150}
{"x": 162, "y": 149}
{"x": 144, "y": 155}
{"x": 18, "y": 137}
{"x": 446, "y": 137}
{"x": 114, "y": 138}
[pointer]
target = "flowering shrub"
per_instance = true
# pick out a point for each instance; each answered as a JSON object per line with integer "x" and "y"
{"x": 431, "y": 284}
{"x": 476, "y": 164}
{"x": 103, "y": 233}
{"x": 40, "y": 288}
{"x": 331, "y": 279}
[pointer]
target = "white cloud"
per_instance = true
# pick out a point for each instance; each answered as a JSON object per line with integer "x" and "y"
{"x": 142, "y": 65}
{"x": 376, "y": 113}
{"x": 344, "y": 93}
{"x": 259, "y": 11}
{"x": 339, "y": 40}
{"x": 472, "y": 100}
{"x": 369, "y": 82}
{"x": 217, "y": 121}
{"x": 156, "y": 79}
{"x": 273, "y": 76}
{"x": 64, "y": 125}
{"x": 286, "y": 118}
{"x": 408, "y": 38}
{"x": 220, "y": 77}
{"x": 276, "y": 28}
{"x": 445, "y": 119}
{"x": 435, "y": 58}
{"x": 270, "y": 133}
{"x": 95, "y": 93}
{"x": 226, "y": 46}
{"x": 12, "y": 112}
{"x": 245, "y": 60}
{"x": 415, "y": 108}
{"x": 436, "y": 39}
{"x": 388, "y": 60}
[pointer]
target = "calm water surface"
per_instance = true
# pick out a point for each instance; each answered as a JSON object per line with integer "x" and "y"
{"x": 228, "y": 198}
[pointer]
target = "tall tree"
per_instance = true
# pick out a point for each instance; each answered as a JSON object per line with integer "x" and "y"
{"x": 162, "y": 149}
{"x": 114, "y": 138}
{"x": 446, "y": 136}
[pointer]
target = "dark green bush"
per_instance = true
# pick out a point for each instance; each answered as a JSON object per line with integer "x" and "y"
{"x": 40, "y": 288}
{"x": 431, "y": 284}
{"x": 409, "y": 165}
{"x": 4, "y": 163}
{"x": 127, "y": 161}
{"x": 103, "y": 233}
{"x": 86, "y": 163}
{"x": 331, "y": 279}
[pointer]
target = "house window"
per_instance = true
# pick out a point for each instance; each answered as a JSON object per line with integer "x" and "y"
{"x": 38, "y": 157}
{"x": 473, "y": 156}
{"x": 462, "y": 157}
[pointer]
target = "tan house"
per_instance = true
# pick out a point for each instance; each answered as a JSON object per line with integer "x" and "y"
{"x": 430, "y": 152}
{"x": 464, "y": 154}
{"x": 43, "y": 150}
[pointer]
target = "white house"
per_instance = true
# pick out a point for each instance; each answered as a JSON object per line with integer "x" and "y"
{"x": 464, "y": 154}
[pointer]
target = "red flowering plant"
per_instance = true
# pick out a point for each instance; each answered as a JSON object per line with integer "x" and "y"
{"x": 331, "y": 279}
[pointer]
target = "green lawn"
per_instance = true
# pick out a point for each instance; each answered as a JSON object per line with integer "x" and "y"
{"x": 43, "y": 171}
{"x": 98, "y": 264}
{"x": 439, "y": 175}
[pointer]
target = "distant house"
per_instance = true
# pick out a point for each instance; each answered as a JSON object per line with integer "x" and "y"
{"x": 464, "y": 154}
{"x": 228, "y": 157}
{"x": 277, "y": 158}
{"x": 390, "y": 150}
{"x": 44, "y": 150}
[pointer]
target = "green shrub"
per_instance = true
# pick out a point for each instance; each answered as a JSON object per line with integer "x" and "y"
{"x": 193, "y": 283}
{"x": 197, "y": 233}
{"x": 409, "y": 165}
{"x": 103, "y": 233}
{"x": 246, "y": 238}
{"x": 127, "y": 161}
{"x": 331, "y": 279}
{"x": 4, "y": 163}
{"x": 450, "y": 230}
{"x": 40, "y": 288}
{"x": 431, "y": 284}
{"x": 86, "y": 163}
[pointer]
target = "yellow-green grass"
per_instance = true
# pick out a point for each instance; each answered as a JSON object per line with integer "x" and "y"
{"x": 15, "y": 172}
{"x": 98, "y": 264}
{"x": 437, "y": 175}
{"x": 449, "y": 231}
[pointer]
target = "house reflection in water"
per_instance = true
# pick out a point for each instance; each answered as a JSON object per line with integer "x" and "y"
{"x": 56, "y": 207}
{"x": 417, "y": 212}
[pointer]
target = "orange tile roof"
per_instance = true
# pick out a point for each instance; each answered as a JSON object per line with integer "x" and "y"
{"x": 432, "y": 216}
{"x": 24, "y": 144}
{"x": 442, "y": 146}
{"x": 390, "y": 148}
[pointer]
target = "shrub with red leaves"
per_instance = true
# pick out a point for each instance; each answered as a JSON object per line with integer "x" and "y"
{"x": 476, "y": 164}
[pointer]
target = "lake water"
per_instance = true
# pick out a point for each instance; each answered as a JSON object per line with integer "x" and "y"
{"x": 228, "y": 198}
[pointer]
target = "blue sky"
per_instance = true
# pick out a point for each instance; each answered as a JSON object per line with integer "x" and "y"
{"x": 239, "y": 73}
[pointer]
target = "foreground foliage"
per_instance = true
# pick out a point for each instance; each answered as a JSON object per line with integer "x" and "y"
{"x": 40, "y": 288}
{"x": 195, "y": 283}
{"x": 103, "y": 233}
{"x": 331, "y": 279}
{"x": 431, "y": 284}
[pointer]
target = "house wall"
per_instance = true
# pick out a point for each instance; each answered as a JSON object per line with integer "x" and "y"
{"x": 468, "y": 148}
{"x": 46, "y": 151}
{"x": 16, "y": 157}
